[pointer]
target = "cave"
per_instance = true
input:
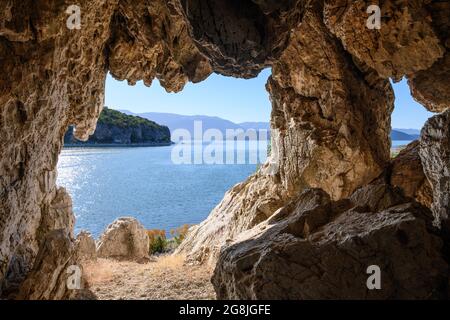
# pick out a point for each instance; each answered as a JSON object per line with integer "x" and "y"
{"x": 329, "y": 203}
{"x": 168, "y": 185}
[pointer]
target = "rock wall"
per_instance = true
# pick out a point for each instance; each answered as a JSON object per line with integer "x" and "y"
{"x": 435, "y": 156}
{"x": 330, "y": 128}
{"x": 53, "y": 77}
{"x": 406, "y": 172}
{"x": 330, "y": 93}
{"x": 314, "y": 248}
{"x": 114, "y": 127}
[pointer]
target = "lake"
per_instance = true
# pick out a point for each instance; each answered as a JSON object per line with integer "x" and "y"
{"x": 108, "y": 183}
{"x": 399, "y": 143}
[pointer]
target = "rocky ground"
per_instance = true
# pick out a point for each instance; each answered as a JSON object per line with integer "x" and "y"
{"x": 164, "y": 278}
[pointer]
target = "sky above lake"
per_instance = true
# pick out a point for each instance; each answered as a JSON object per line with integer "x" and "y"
{"x": 233, "y": 99}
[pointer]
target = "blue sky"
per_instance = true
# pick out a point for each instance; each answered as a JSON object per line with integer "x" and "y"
{"x": 233, "y": 99}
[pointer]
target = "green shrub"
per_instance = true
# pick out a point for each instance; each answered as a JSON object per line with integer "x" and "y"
{"x": 158, "y": 246}
{"x": 157, "y": 241}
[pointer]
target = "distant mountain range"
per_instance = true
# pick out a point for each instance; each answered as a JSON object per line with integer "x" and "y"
{"x": 413, "y": 132}
{"x": 176, "y": 121}
{"x": 402, "y": 134}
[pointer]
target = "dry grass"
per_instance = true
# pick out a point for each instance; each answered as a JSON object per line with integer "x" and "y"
{"x": 100, "y": 271}
{"x": 167, "y": 278}
{"x": 169, "y": 262}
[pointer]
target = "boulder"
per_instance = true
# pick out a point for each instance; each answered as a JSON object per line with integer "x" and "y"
{"x": 407, "y": 173}
{"x": 124, "y": 239}
{"x": 55, "y": 263}
{"x": 85, "y": 247}
{"x": 316, "y": 248}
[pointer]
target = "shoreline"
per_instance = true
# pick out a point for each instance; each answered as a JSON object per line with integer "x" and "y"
{"x": 116, "y": 145}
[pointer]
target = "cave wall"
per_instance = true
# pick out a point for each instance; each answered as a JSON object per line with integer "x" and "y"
{"x": 330, "y": 127}
{"x": 53, "y": 77}
{"x": 330, "y": 93}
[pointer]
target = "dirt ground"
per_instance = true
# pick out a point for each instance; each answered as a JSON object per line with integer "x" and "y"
{"x": 165, "y": 278}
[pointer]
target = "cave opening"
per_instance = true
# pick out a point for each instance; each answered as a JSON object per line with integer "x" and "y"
{"x": 408, "y": 117}
{"x": 115, "y": 174}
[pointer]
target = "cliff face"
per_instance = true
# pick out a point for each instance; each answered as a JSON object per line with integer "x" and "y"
{"x": 114, "y": 127}
{"x": 331, "y": 100}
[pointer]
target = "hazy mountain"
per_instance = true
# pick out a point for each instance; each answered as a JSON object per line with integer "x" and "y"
{"x": 412, "y": 132}
{"x": 176, "y": 121}
{"x": 399, "y": 135}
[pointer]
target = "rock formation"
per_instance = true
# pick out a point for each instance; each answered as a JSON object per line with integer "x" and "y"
{"x": 406, "y": 172}
{"x": 435, "y": 155}
{"x": 125, "y": 238}
{"x": 114, "y": 127}
{"x": 315, "y": 248}
{"x": 86, "y": 247}
{"x": 335, "y": 117}
{"x": 50, "y": 274}
{"x": 331, "y": 100}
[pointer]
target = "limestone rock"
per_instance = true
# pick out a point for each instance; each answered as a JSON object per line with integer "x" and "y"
{"x": 59, "y": 214}
{"x": 335, "y": 117}
{"x": 151, "y": 40}
{"x": 430, "y": 87}
{"x": 435, "y": 155}
{"x": 244, "y": 206}
{"x": 315, "y": 248}
{"x": 406, "y": 172}
{"x": 86, "y": 249}
{"x": 405, "y": 43}
{"x": 60, "y": 81}
{"x": 50, "y": 274}
{"x": 126, "y": 239}
{"x": 248, "y": 35}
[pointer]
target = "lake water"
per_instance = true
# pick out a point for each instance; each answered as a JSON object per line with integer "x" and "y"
{"x": 400, "y": 143}
{"x": 107, "y": 183}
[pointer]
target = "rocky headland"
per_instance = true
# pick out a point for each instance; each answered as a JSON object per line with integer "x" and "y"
{"x": 115, "y": 128}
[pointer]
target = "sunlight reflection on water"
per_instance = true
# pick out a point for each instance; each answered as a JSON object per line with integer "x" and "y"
{"x": 107, "y": 183}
